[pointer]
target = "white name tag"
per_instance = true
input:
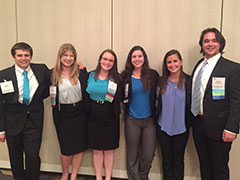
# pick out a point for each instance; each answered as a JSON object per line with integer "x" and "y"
{"x": 218, "y": 88}
{"x": 112, "y": 87}
{"x": 126, "y": 90}
{"x": 218, "y": 82}
{"x": 7, "y": 87}
{"x": 52, "y": 90}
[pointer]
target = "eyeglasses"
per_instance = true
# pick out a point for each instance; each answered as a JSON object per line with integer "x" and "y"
{"x": 106, "y": 59}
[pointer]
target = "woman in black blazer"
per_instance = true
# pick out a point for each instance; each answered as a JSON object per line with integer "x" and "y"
{"x": 140, "y": 129}
{"x": 173, "y": 115}
{"x": 68, "y": 99}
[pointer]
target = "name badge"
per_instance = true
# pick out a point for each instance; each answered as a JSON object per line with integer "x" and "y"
{"x": 53, "y": 93}
{"x": 126, "y": 93}
{"x": 7, "y": 87}
{"x": 112, "y": 88}
{"x": 218, "y": 88}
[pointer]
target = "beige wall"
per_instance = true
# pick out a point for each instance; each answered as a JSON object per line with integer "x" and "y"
{"x": 92, "y": 26}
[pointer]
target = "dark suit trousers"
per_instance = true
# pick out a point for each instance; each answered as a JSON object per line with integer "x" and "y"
{"x": 173, "y": 148}
{"x": 213, "y": 154}
{"x": 28, "y": 142}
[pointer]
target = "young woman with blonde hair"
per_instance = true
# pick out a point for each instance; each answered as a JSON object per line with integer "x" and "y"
{"x": 68, "y": 98}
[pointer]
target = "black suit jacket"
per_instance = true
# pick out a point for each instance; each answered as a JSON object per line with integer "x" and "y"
{"x": 187, "y": 102}
{"x": 12, "y": 113}
{"x": 222, "y": 113}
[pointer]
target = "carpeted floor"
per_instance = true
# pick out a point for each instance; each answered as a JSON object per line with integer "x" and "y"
{"x": 7, "y": 175}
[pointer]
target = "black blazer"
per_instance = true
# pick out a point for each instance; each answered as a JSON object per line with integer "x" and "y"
{"x": 12, "y": 113}
{"x": 154, "y": 82}
{"x": 83, "y": 76}
{"x": 187, "y": 102}
{"x": 222, "y": 113}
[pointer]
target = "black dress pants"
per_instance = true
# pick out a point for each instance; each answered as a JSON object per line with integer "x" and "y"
{"x": 213, "y": 154}
{"x": 28, "y": 142}
{"x": 173, "y": 149}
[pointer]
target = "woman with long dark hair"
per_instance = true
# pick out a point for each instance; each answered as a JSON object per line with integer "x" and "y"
{"x": 173, "y": 115}
{"x": 104, "y": 89}
{"x": 140, "y": 92}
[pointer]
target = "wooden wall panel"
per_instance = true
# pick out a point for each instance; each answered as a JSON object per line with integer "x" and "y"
{"x": 231, "y": 29}
{"x": 7, "y": 39}
{"x": 160, "y": 25}
{"x": 48, "y": 24}
{"x": 8, "y": 31}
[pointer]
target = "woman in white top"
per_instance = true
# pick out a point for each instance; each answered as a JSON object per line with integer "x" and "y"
{"x": 68, "y": 98}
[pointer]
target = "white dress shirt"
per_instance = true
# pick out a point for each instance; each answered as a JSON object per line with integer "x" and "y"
{"x": 211, "y": 63}
{"x": 33, "y": 83}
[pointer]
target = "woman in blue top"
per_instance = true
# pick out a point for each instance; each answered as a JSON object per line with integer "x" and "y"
{"x": 173, "y": 115}
{"x": 103, "y": 87}
{"x": 140, "y": 89}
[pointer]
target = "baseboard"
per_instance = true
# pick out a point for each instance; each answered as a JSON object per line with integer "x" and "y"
{"x": 90, "y": 171}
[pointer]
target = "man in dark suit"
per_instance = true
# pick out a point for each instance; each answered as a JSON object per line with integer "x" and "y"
{"x": 21, "y": 111}
{"x": 215, "y": 106}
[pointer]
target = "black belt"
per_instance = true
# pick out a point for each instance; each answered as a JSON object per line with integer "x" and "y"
{"x": 73, "y": 104}
{"x": 98, "y": 102}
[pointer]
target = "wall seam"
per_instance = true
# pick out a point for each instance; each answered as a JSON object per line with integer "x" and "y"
{"x": 111, "y": 24}
{"x": 221, "y": 20}
{"x": 16, "y": 20}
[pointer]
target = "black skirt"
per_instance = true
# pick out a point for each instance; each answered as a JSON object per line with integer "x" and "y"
{"x": 102, "y": 127}
{"x": 71, "y": 129}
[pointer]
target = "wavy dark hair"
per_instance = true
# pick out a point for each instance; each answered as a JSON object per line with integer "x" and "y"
{"x": 219, "y": 38}
{"x": 166, "y": 72}
{"x": 113, "y": 73}
{"x": 145, "y": 71}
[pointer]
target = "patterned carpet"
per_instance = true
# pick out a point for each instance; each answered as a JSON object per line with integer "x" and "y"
{"x": 7, "y": 175}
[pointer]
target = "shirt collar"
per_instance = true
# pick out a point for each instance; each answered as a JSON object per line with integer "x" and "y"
{"x": 213, "y": 60}
{"x": 20, "y": 70}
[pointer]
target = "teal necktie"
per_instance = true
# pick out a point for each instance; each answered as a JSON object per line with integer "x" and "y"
{"x": 26, "y": 95}
{"x": 196, "y": 96}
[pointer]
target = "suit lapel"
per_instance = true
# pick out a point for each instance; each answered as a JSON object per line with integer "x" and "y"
{"x": 36, "y": 73}
{"x": 12, "y": 76}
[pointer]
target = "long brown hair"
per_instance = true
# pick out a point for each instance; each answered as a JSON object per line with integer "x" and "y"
{"x": 166, "y": 73}
{"x": 145, "y": 71}
{"x": 57, "y": 70}
{"x": 113, "y": 73}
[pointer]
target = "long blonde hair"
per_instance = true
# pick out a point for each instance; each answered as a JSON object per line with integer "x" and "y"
{"x": 57, "y": 70}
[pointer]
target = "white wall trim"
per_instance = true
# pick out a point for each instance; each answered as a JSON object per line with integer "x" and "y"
{"x": 90, "y": 171}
